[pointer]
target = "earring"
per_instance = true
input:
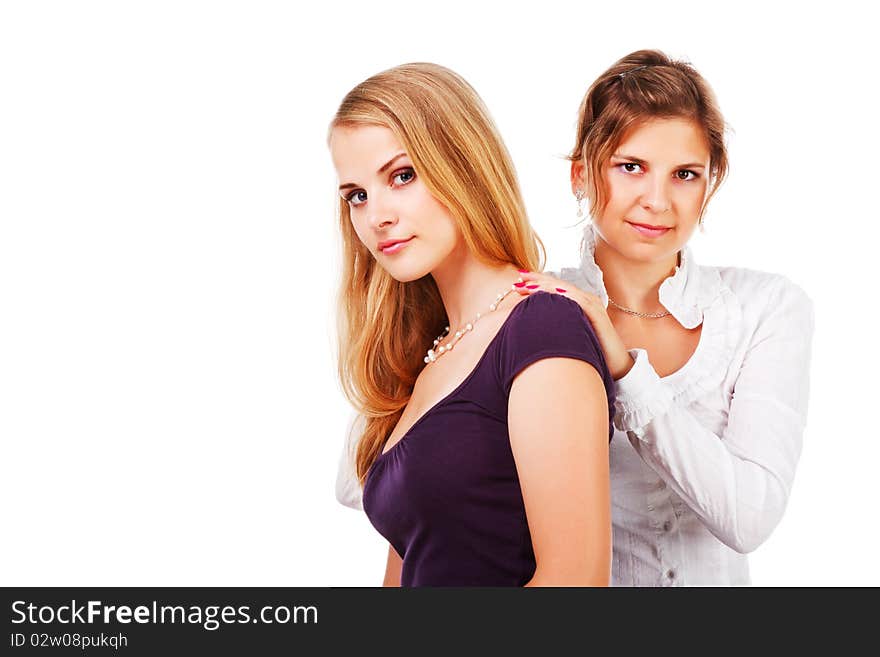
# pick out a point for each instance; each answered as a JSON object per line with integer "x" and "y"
{"x": 579, "y": 197}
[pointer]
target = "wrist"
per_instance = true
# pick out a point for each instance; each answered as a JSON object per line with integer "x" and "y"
{"x": 623, "y": 363}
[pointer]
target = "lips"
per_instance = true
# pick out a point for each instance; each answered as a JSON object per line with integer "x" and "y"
{"x": 648, "y": 230}
{"x": 393, "y": 246}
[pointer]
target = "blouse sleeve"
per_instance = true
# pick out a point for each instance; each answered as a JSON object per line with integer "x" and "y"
{"x": 738, "y": 482}
{"x": 348, "y": 488}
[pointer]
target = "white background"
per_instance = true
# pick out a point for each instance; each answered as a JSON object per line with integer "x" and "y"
{"x": 169, "y": 410}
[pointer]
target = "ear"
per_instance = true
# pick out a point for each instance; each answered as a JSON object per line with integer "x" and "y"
{"x": 578, "y": 180}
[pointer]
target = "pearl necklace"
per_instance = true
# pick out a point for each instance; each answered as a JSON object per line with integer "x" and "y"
{"x": 464, "y": 330}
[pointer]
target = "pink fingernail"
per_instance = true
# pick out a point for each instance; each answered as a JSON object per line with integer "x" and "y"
{"x": 523, "y": 271}
{"x": 559, "y": 289}
{"x": 532, "y": 287}
{"x": 520, "y": 284}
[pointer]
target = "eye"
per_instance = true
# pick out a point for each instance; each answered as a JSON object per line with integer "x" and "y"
{"x": 686, "y": 174}
{"x": 403, "y": 177}
{"x": 630, "y": 167}
{"x": 356, "y": 198}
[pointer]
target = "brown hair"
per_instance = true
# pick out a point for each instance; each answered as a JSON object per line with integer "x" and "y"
{"x": 644, "y": 85}
{"x": 384, "y": 324}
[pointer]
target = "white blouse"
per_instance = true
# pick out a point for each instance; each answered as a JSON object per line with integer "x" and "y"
{"x": 702, "y": 460}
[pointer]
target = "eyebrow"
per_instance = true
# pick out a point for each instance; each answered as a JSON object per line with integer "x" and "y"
{"x": 381, "y": 170}
{"x": 638, "y": 160}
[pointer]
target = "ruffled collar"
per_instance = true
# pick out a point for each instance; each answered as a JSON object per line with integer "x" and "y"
{"x": 694, "y": 295}
{"x": 686, "y": 294}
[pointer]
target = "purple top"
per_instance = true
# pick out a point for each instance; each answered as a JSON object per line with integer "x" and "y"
{"x": 447, "y": 495}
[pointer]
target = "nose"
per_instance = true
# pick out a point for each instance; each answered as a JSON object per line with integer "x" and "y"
{"x": 656, "y": 196}
{"x": 382, "y": 213}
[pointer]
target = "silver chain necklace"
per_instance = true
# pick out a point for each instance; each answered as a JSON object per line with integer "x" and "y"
{"x": 630, "y": 311}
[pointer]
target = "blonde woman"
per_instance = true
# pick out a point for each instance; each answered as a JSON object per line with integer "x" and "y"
{"x": 711, "y": 364}
{"x": 483, "y": 453}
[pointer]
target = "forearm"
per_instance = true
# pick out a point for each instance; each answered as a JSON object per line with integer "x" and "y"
{"x": 739, "y": 497}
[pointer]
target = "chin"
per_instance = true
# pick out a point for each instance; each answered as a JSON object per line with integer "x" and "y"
{"x": 404, "y": 272}
{"x": 643, "y": 250}
{"x": 406, "y": 277}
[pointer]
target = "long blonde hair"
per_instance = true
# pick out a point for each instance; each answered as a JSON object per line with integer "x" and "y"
{"x": 385, "y": 325}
